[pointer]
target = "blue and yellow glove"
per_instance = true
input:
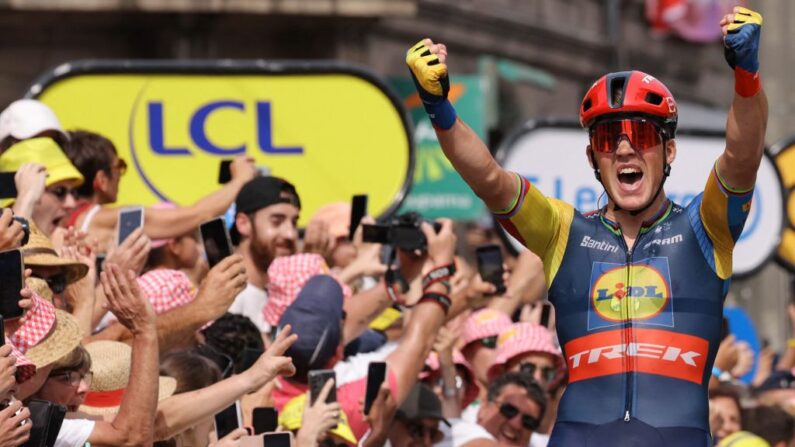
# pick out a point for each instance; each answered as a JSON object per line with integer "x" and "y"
{"x": 433, "y": 84}
{"x": 741, "y": 49}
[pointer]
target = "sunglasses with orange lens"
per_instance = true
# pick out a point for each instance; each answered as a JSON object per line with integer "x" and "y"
{"x": 642, "y": 134}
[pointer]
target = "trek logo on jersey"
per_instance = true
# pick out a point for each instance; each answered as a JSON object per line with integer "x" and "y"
{"x": 638, "y": 292}
{"x": 652, "y": 351}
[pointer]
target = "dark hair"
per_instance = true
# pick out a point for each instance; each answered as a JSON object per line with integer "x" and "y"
{"x": 772, "y": 423}
{"x": 522, "y": 380}
{"x": 55, "y": 135}
{"x": 233, "y": 333}
{"x": 726, "y": 390}
{"x": 90, "y": 153}
{"x": 77, "y": 360}
{"x": 191, "y": 370}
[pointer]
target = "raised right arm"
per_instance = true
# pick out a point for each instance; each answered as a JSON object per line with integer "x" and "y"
{"x": 497, "y": 187}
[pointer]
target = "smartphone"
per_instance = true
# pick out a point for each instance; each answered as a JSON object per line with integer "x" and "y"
{"x": 376, "y": 373}
{"x": 12, "y": 279}
{"x": 358, "y": 210}
{"x": 130, "y": 219}
{"x": 224, "y": 171}
{"x": 46, "y": 418}
{"x": 279, "y": 439}
{"x": 490, "y": 266}
{"x": 546, "y": 310}
{"x": 99, "y": 263}
{"x": 318, "y": 378}
{"x": 8, "y": 188}
{"x": 217, "y": 244}
{"x": 228, "y": 420}
{"x": 223, "y": 361}
{"x": 265, "y": 419}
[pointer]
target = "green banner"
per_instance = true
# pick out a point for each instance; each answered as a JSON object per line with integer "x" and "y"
{"x": 437, "y": 190}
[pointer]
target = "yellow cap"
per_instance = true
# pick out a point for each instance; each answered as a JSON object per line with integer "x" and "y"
{"x": 386, "y": 319}
{"x": 743, "y": 439}
{"x": 292, "y": 416}
{"x": 44, "y": 151}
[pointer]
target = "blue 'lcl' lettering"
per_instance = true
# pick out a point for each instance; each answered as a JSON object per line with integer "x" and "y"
{"x": 198, "y": 121}
{"x": 156, "y": 140}
{"x": 264, "y": 136}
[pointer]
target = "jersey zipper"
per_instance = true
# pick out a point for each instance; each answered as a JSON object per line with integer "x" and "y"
{"x": 626, "y": 335}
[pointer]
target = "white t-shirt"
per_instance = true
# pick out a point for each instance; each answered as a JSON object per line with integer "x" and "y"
{"x": 250, "y": 303}
{"x": 464, "y": 432}
{"x": 74, "y": 432}
{"x": 470, "y": 415}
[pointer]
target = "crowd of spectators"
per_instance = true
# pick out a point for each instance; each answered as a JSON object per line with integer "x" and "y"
{"x": 149, "y": 345}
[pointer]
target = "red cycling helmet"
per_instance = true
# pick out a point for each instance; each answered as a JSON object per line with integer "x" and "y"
{"x": 629, "y": 93}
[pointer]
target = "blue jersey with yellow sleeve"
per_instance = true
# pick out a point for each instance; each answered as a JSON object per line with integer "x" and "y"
{"x": 639, "y": 326}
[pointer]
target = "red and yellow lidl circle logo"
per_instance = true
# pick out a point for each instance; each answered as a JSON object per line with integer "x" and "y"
{"x": 638, "y": 292}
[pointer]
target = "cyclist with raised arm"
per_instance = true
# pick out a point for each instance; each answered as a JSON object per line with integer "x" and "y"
{"x": 638, "y": 285}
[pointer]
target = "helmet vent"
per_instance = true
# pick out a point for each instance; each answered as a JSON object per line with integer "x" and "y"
{"x": 653, "y": 98}
{"x": 586, "y": 106}
{"x": 617, "y": 91}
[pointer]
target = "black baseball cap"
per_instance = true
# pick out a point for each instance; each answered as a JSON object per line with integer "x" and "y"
{"x": 262, "y": 192}
{"x": 422, "y": 403}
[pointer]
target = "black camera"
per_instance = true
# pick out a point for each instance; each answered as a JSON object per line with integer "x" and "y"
{"x": 25, "y": 229}
{"x": 403, "y": 232}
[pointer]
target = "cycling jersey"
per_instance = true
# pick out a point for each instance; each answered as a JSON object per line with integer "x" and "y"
{"x": 640, "y": 325}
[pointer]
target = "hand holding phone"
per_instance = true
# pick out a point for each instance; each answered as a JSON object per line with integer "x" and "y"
{"x": 8, "y": 187}
{"x": 228, "y": 420}
{"x": 317, "y": 379}
{"x": 216, "y": 240}
{"x": 489, "y": 259}
{"x": 280, "y": 439}
{"x": 12, "y": 281}
{"x": 130, "y": 219}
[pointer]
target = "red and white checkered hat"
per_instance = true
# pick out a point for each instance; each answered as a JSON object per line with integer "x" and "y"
{"x": 483, "y": 323}
{"x": 286, "y": 276}
{"x": 38, "y": 322}
{"x": 523, "y": 338}
{"x": 166, "y": 289}
{"x": 25, "y": 368}
{"x": 471, "y": 389}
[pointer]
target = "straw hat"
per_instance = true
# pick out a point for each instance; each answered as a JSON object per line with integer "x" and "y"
{"x": 39, "y": 252}
{"x": 39, "y": 287}
{"x": 111, "y": 364}
{"x": 63, "y": 337}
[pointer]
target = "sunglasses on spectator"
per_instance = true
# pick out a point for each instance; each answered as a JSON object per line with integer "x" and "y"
{"x": 642, "y": 134}
{"x": 56, "y": 283}
{"x": 60, "y": 192}
{"x": 489, "y": 342}
{"x": 547, "y": 372}
{"x": 73, "y": 378}
{"x": 509, "y": 411}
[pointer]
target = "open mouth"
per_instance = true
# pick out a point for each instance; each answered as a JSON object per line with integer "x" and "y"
{"x": 630, "y": 176}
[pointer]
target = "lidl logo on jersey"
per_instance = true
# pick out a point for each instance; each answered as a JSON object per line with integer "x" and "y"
{"x": 639, "y": 292}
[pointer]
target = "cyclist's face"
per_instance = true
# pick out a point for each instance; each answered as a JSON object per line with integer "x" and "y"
{"x": 632, "y": 173}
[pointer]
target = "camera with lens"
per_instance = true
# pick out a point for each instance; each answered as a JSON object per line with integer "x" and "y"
{"x": 25, "y": 228}
{"x": 403, "y": 232}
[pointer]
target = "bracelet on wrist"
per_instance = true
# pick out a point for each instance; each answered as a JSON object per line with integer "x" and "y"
{"x": 440, "y": 299}
{"x": 443, "y": 273}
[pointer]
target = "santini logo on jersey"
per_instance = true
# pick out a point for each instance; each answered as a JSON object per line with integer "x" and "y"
{"x": 652, "y": 351}
{"x": 587, "y": 242}
{"x": 667, "y": 241}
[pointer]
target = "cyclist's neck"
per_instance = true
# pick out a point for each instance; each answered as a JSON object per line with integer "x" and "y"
{"x": 632, "y": 224}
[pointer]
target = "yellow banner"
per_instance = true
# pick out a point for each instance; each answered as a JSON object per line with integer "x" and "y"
{"x": 333, "y": 135}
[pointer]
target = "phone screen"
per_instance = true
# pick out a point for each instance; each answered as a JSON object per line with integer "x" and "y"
{"x": 225, "y": 171}
{"x": 358, "y": 210}
{"x": 277, "y": 439}
{"x": 317, "y": 379}
{"x": 228, "y": 420}
{"x": 546, "y": 310}
{"x": 490, "y": 265}
{"x": 8, "y": 188}
{"x": 129, "y": 220}
{"x": 376, "y": 373}
{"x": 12, "y": 281}
{"x": 265, "y": 419}
{"x": 217, "y": 244}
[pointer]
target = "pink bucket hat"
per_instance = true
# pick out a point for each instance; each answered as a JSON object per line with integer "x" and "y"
{"x": 523, "y": 338}
{"x": 166, "y": 289}
{"x": 482, "y": 324}
{"x": 286, "y": 276}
